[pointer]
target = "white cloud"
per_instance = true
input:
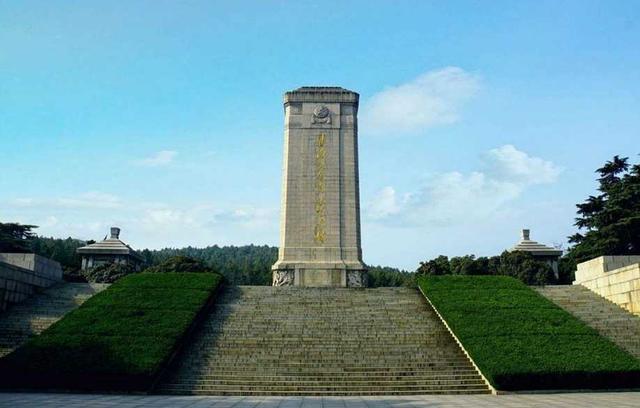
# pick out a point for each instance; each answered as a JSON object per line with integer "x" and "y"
{"x": 208, "y": 215}
{"x": 434, "y": 98}
{"x": 161, "y": 158}
{"x": 156, "y": 225}
{"x": 508, "y": 163}
{"x": 205, "y": 224}
{"x": 91, "y": 199}
{"x": 454, "y": 197}
{"x": 146, "y": 224}
{"x": 166, "y": 216}
{"x": 49, "y": 222}
{"x": 384, "y": 204}
{"x": 63, "y": 226}
{"x": 458, "y": 198}
{"x": 246, "y": 216}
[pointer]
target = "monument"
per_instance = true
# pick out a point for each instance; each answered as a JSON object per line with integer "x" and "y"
{"x": 320, "y": 215}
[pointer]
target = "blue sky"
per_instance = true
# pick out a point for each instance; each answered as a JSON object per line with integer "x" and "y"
{"x": 478, "y": 118}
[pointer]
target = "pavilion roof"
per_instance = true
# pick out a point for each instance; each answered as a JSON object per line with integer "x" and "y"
{"x": 527, "y": 245}
{"x": 110, "y": 246}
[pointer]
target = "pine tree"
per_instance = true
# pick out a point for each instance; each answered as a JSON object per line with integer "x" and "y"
{"x": 609, "y": 223}
{"x": 16, "y": 237}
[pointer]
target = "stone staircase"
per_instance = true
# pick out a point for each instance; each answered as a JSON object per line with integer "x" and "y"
{"x": 609, "y": 319}
{"x": 32, "y": 316}
{"x": 320, "y": 341}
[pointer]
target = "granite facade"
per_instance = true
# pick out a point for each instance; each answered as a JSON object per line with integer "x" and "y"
{"x": 320, "y": 216}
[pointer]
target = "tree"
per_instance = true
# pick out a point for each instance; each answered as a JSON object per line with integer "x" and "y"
{"x": 609, "y": 223}
{"x": 107, "y": 273}
{"x": 179, "y": 263}
{"x": 436, "y": 266}
{"x": 566, "y": 270}
{"x": 61, "y": 250}
{"x": 15, "y": 237}
{"x": 469, "y": 265}
{"x": 523, "y": 266}
{"x": 240, "y": 265}
{"x": 520, "y": 265}
{"x": 381, "y": 276}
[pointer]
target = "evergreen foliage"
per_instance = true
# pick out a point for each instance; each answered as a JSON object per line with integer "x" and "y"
{"x": 522, "y": 341}
{"x": 518, "y": 264}
{"x": 15, "y": 237}
{"x": 107, "y": 273}
{"x": 384, "y": 276}
{"x": 609, "y": 223}
{"x": 521, "y": 265}
{"x": 60, "y": 250}
{"x": 179, "y": 263}
{"x": 240, "y": 265}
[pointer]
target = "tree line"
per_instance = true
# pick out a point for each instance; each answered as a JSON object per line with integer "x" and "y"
{"x": 608, "y": 224}
{"x": 240, "y": 265}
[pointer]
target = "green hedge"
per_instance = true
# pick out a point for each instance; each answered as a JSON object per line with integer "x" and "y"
{"x": 120, "y": 339}
{"x": 522, "y": 341}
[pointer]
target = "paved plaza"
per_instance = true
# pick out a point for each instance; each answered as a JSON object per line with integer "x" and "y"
{"x": 615, "y": 399}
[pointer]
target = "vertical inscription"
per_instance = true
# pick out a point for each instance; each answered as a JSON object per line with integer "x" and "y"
{"x": 319, "y": 234}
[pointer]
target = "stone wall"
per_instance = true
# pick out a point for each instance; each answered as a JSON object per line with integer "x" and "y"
{"x": 616, "y": 278}
{"x": 22, "y": 274}
{"x": 44, "y": 267}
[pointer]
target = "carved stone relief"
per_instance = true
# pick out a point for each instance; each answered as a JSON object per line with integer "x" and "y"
{"x": 356, "y": 279}
{"x": 321, "y": 115}
{"x": 283, "y": 278}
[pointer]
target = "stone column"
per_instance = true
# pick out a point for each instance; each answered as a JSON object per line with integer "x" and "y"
{"x": 320, "y": 218}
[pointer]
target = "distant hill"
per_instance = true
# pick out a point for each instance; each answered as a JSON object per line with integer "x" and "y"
{"x": 241, "y": 265}
{"x": 251, "y": 264}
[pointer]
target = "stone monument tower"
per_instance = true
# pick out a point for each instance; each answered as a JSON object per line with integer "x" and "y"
{"x": 320, "y": 218}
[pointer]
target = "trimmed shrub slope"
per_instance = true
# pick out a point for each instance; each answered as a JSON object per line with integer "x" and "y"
{"x": 522, "y": 341}
{"x": 120, "y": 339}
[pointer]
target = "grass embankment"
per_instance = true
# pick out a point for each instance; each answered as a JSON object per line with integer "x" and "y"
{"x": 120, "y": 339}
{"x": 522, "y": 341}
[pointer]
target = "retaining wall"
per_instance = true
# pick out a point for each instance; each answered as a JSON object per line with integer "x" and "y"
{"x": 616, "y": 278}
{"x": 22, "y": 274}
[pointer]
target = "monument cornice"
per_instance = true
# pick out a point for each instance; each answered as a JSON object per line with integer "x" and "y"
{"x": 322, "y": 94}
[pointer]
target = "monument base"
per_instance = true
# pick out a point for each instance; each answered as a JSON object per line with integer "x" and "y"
{"x": 318, "y": 276}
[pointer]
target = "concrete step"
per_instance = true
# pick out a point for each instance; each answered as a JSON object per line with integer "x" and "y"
{"x": 609, "y": 319}
{"x": 304, "y": 383}
{"x": 352, "y": 393}
{"x": 339, "y": 364}
{"x": 196, "y": 367}
{"x": 31, "y": 317}
{"x": 316, "y": 341}
{"x": 335, "y": 376}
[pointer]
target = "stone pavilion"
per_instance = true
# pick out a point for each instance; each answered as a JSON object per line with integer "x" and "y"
{"x": 110, "y": 250}
{"x": 538, "y": 251}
